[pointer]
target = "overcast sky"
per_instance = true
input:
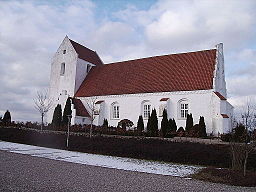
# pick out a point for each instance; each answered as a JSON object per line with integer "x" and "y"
{"x": 31, "y": 31}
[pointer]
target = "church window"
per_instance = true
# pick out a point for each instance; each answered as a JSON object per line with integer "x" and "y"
{"x": 146, "y": 110}
{"x": 115, "y": 111}
{"x": 183, "y": 108}
{"x": 64, "y": 51}
{"x": 62, "y": 69}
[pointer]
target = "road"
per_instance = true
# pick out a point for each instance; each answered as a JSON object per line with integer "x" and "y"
{"x": 20, "y": 172}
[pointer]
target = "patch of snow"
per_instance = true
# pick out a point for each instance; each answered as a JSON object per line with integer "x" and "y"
{"x": 102, "y": 160}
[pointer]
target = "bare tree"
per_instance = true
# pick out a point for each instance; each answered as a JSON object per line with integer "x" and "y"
{"x": 249, "y": 118}
{"x": 43, "y": 104}
{"x": 240, "y": 151}
{"x": 91, "y": 103}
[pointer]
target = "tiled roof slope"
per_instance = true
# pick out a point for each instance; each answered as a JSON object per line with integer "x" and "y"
{"x": 176, "y": 72}
{"x": 80, "y": 109}
{"x": 86, "y": 54}
{"x": 220, "y": 96}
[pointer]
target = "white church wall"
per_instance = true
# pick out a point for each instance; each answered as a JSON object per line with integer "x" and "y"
{"x": 130, "y": 106}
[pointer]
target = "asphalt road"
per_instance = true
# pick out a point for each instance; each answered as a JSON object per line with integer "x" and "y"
{"x": 25, "y": 173}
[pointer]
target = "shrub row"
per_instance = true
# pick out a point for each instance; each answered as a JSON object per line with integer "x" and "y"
{"x": 137, "y": 147}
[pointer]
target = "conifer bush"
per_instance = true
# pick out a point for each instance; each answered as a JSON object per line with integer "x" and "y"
{"x": 202, "y": 131}
{"x": 105, "y": 123}
{"x": 189, "y": 122}
{"x": 153, "y": 124}
{"x": 7, "y": 118}
{"x": 140, "y": 125}
{"x": 67, "y": 111}
{"x": 164, "y": 124}
{"x": 174, "y": 126}
{"x": 57, "y": 117}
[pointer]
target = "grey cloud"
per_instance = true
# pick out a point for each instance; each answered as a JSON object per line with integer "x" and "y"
{"x": 31, "y": 31}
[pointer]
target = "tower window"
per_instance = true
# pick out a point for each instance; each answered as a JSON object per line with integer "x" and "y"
{"x": 62, "y": 69}
{"x": 88, "y": 68}
{"x": 64, "y": 51}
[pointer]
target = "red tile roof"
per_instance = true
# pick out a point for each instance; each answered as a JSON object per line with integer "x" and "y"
{"x": 80, "y": 109}
{"x": 175, "y": 72}
{"x": 220, "y": 96}
{"x": 224, "y": 115}
{"x": 164, "y": 99}
{"x": 86, "y": 54}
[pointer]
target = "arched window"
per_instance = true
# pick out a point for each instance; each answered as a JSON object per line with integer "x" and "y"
{"x": 183, "y": 108}
{"x": 115, "y": 112}
{"x": 146, "y": 109}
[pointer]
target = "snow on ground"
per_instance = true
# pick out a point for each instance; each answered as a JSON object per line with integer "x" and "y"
{"x": 102, "y": 160}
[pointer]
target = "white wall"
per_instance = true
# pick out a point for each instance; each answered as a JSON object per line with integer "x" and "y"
{"x": 201, "y": 103}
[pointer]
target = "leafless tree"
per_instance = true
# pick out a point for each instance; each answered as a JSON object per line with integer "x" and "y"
{"x": 91, "y": 103}
{"x": 43, "y": 104}
{"x": 241, "y": 151}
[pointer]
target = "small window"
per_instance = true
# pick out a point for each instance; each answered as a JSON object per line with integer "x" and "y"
{"x": 83, "y": 120}
{"x": 146, "y": 110}
{"x": 62, "y": 69}
{"x": 183, "y": 108}
{"x": 115, "y": 111}
{"x": 88, "y": 68}
{"x": 64, "y": 51}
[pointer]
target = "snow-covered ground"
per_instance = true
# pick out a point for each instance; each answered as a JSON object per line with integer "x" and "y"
{"x": 102, "y": 160}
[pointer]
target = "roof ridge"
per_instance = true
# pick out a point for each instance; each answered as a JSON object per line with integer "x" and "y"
{"x": 86, "y": 54}
{"x": 160, "y": 56}
{"x": 81, "y": 45}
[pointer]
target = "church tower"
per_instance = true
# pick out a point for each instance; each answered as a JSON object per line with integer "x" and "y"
{"x": 70, "y": 65}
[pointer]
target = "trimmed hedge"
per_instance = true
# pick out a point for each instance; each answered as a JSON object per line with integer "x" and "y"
{"x": 137, "y": 147}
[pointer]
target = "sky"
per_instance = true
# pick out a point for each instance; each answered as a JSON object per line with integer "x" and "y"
{"x": 32, "y": 30}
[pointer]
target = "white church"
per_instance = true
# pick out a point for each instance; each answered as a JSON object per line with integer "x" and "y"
{"x": 192, "y": 82}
